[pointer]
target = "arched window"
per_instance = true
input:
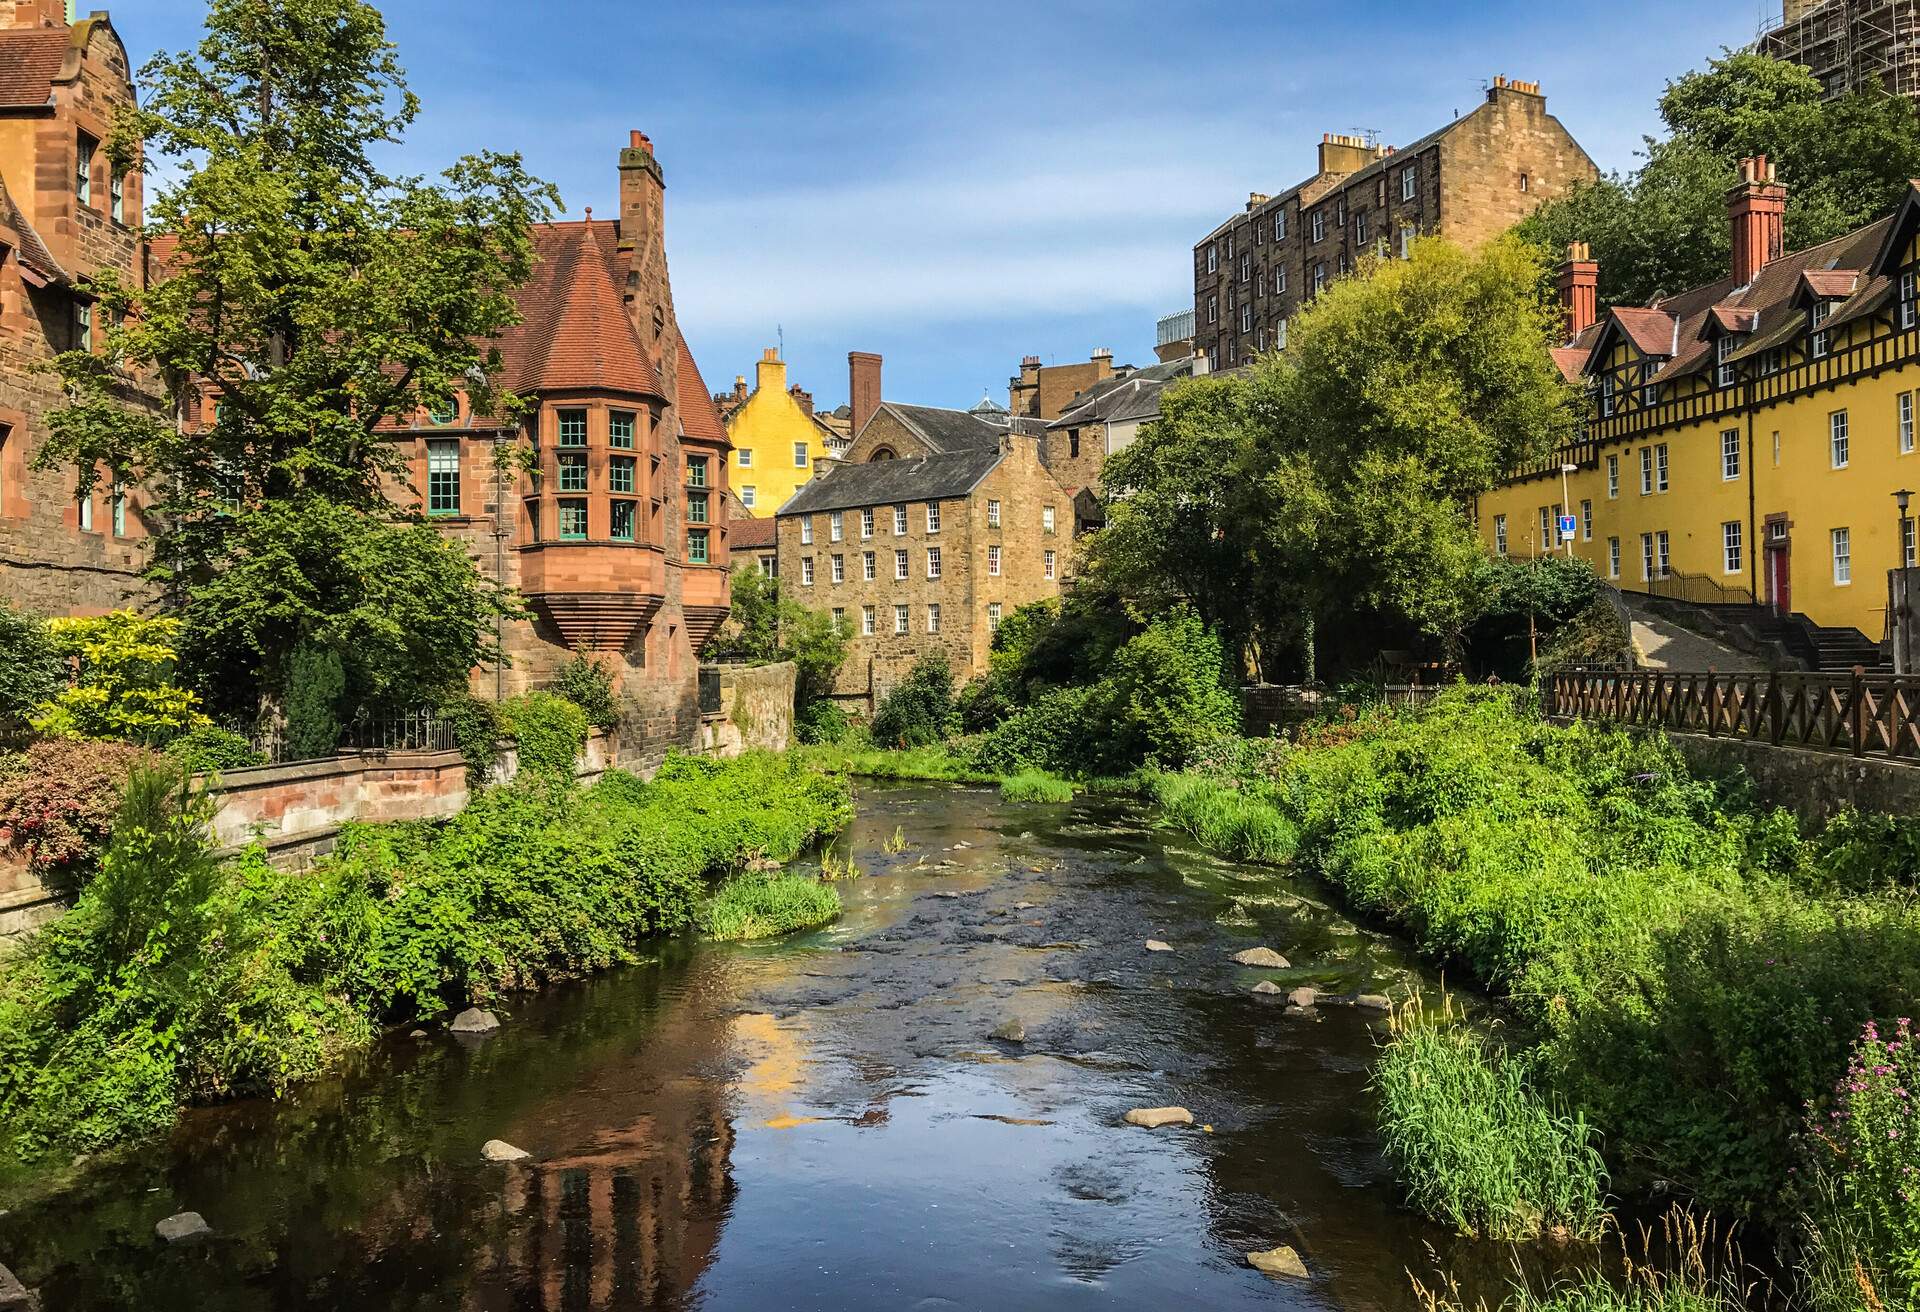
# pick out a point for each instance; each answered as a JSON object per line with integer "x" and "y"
{"x": 882, "y": 453}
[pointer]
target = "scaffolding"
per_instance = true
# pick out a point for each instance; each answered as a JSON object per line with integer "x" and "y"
{"x": 1851, "y": 45}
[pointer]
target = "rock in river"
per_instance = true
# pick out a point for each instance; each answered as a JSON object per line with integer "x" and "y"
{"x": 1303, "y": 997}
{"x": 475, "y": 1021}
{"x": 183, "y": 1228}
{"x": 1152, "y": 1118}
{"x": 1266, "y": 958}
{"x": 1011, "y": 1032}
{"x": 1155, "y": 945}
{"x": 1373, "y": 1002}
{"x": 1281, "y": 1261}
{"x": 498, "y": 1150}
{"x": 1266, "y": 986}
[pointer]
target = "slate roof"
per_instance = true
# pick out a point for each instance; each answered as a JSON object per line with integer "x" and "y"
{"x": 30, "y": 59}
{"x": 890, "y": 482}
{"x": 1135, "y": 395}
{"x": 947, "y": 431}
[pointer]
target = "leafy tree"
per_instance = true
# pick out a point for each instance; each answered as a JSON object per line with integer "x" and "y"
{"x": 919, "y": 710}
{"x": 123, "y": 688}
{"x": 31, "y": 670}
{"x": 315, "y": 681}
{"x": 765, "y": 625}
{"x": 313, "y": 295}
{"x": 1663, "y": 228}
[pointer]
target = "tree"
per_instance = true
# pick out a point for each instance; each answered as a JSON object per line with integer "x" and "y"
{"x": 1663, "y": 228}
{"x": 765, "y": 625}
{"x": 311, "y": 296}
{"x": 31, "y": 669}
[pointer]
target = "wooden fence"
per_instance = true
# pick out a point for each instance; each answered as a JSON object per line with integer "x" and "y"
{"x": 1858, "y": 713}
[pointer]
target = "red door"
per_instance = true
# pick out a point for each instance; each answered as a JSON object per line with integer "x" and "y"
{"x": 1780, "y": 577}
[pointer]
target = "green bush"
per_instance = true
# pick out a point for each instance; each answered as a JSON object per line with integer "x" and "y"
{"x": 1035, "y": 786}
{"x": 821, "y": 722}
{"x": 316, "y": 680}
{"x": 586, "y": 683}
{"x": 1476, "y": 1145}
{"x": 919, "y": 710}
{"x": 57, "y": 803}
{"x": 549, "y": 731}
{"x": 31, "y": 669}
{"x": 123, "y": 667}
{"x": 761, "y": 906}
{"x": 1867, "y": 852}
{"x": 211, "y": 748}
{"x": 478, "y": 728}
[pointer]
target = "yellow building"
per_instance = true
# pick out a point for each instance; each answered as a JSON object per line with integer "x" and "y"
{"x": 776, "y": 438}
{"x": 1744, "y": 440}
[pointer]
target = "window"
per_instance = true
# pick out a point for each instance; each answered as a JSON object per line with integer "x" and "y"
{"x": 82, "y": 326}
{"x": 1279, "y": 225}
{"x": 1526, "y": 183}
{"x": 620, "y": 429}
{"x": 838, "y": 568}
{"x": 117, "y": 196}
{"x": 1649, "y": 390}
{"x": 1246, "y": 268}
{"x": 1646, "y": 471}
{"x": 866, "y": 622}
{"x": 1660, "y": 467}
{"x": 1548, "y": 529}
{"x": 573, "y": 520}
{"x": 1730, "y": 554}
{"x": 1722, "y": 348}
{"x": 1646, "y": 557}
{"x": 1213, "y": 309}
{"x": 1280, "y": 335}
{"x": 933, "y": 562}
{"x": 868, "y": 569}
{"x": 1776, "y": 448}
{"x": 443, "y": 478}
{"x": 806, "y": 530}
{"x": 697, "y": 546}
{"x": 747, "y": 496}
{"x": 993, "y": 617}
{"x": 836, "y": 525}
{"x": 620, "y": 521}
{"x": 1905, "y": 407}
{"x": 993, "y": 561}
{"x": 1213, "y": 258}
{"x": 1246, "y": 318}
{"x": 117, "y": 500}
{"x": 900, "y": 617}
{"x": 1406, "y": 241}
{"x": 1729, "y": 453}
{"x": 806, "y": 571}
{"x": 1613, "y": 478}
{"x": 1319, "y": 278}
{"x": 1340, "y": 211}
{"x": 899, "y": 521}
{"x": 1046, "y": 519}
{"x": 1360, "y": 230}
{"x": 86, "y": 148}
{"x": 1606, "y": 395}
{"x": 1047, "y": 565}
{"x": 1409, "y": 183}
{"x": 573, "y": 473}
{"x": 799, "y": 455}
{"x": 933, "y": 617}
{"x": 1500, "y": 534}
{"x": 1586, "y": 521}
{"x": 900, "y": 563}
{"x": 1907, "y": 556}
{"x": 1908, "y": 292}
{"x": 1821, "y": 340}
{"x": 620, "y": 476}
{"x": 1319, "y": 224}
{"x": 697, "y": 508}
{"x": 1662, "y": 553}
{"x": 573, "y": 427}
{"x": 1229, "y": 246}
{"x": 839, "y": 619}
{"x": 1613, "y": 558}
{"x": 696, "y": 471}
{"x": 745, "y": 455}
{"x": 866, "y": 522}
{"x": 993, "y": 514}
{"x": 1842, "y": 557}
{"x": 1279, "y": 281}
{"x": 1837, "y": 438}
{"x": 933, "y": 516}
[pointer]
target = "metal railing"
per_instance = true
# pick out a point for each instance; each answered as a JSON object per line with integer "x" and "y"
{"x": 1857, "y": 713}
{"x": 1695, "y": 589}
{"x": 411, "y": 731}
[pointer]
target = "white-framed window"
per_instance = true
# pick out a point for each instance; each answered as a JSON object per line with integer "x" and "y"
{"x": 899, "y": 521}
{"x": 901, "y": 617}
{"x": 1046, "y": 519}
{"x": 1213, "y": 309}
{"x": 799, "y": 455}
{"x": 1500, "y": 534}
{"x": 748, "y": 495}
{"x": 85, "y": 148}
{"x": 117, "y": 501}
{"x": 1407, "y": 232}
{"x": 1409, "y": 183}
{"x": 1723, "y": 348}
{"x": 1606, "y": 396}
{"x": 993, "y": 514}
{"x": 1663, "y": 552}
{"x": 1229, "y": 246}
{"x": 769, "y": 565}
{"x": 866, "y": 622}
{"x": 900, "y": 563}
{"x": 933, "y": 617}
{"x": 1660, "y": 467}
{"x": 1319, "y": 277}
{"x": 866, "y": 522}
{"x": 1907, "y": 544}
{"x": 1586, "y": 521}
{"x": 839, "y": 568}
{"x": 1842, "y": 540}
{"x": 1646, "y": 557}
{"x": 1319, "y": 224}
{"x": 1279, "y": 280}
{"x": 806, "y": 530}
{"x": 933, "y": 562}
{"x": 1904, "y": 407}
{"x": 933, "y": 516}
{"x": 1280, "y": 335}
{"x": 1246, "y": 318}
{"x": 840, "y": 620}
{"x": 993, "y": 561}
{"x": 1047, "y": 565}
{"x": 1908, "y": 293}
{"x": 1837, "y": 444}
{"x": 1613, "y": 558}
{"x": 1731, "y": 544}
{"x": 869, "y": 568}
{"x": 1646, "y": 471}
{"x": 83, "y": 325}
{"x": 1213, "y": 257}
{"x": 1279, "y": 225}
{"x": 806, "y": 571}
{"x": 1613, "y": 478}
{"x": 1359, "y": 230}
{"x": 85, "y": 502}
{"x": 746, "y": 457}
{"x": 1821, "y": 341}
{"x": 1776, "y": 448}
{"x": 836, "y": 525}
{"x": 117, "y": 196}
{"x": 1649, "y": 390}
{"x": 993, "y": 617}
{"x": 1246, "y": 268}
{"x": 1729, "y": 453}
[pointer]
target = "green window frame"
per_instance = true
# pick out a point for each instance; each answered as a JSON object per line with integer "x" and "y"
{"x": 620, "y": 474}
{"x": 697, "y": 508}
{"x": 696, "y": 471}
{"x": 573, "y": 427}
{"x": 620, "y": 429}
{"x": 443, "y": 478}
{"x": 573, "y": 472}
{"x": 573, "y": 519}
{"x": 697, "y": 546}
{"x": 621, "y": 520}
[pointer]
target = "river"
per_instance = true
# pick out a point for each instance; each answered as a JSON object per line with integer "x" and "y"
{"x": 826, "y": 1121}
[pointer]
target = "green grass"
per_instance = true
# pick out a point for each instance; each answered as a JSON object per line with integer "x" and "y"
{"x": 1475, "y": 1145}
{"x": 936, "y": 764}
{"x": 1035, "y": 786}
{"x": 1235, "y": 821}
{"x": 763, "y": 906}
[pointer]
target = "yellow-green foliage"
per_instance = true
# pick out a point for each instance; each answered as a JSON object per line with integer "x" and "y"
{"x": 122, "y": 670}
{"x": 1035, "y": 786}
{"x": 860, "y": 757}
{"x": 1236, "y": 819}
{"x": 762, "y": 906}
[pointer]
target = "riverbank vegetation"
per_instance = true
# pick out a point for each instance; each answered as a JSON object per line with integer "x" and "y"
{"x": 179, "y": 978}
{"x": 753, "y": 905}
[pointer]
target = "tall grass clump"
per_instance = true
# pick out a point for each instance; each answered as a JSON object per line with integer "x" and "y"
{"x": 1035, "y": 786}
{"x": 1476, "y": 1145}
{"x": 1240, "y": 821}
{"x": 856, "y": 755}
{"x": 754, "y": 906}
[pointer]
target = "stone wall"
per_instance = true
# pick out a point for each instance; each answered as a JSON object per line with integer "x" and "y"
{"x": 1813, "y": 785}
{"x": 756, "y": 710}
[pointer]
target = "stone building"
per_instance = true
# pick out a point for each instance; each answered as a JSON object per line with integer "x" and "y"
{"x": 1468, "y": 181}
{"x": 66, "y": 213}
{"x": 1851, "y": 45}
{"x": 1102, "y": 420}
{"x": 937, "y": 525}
{"x": 1042, "y": 391}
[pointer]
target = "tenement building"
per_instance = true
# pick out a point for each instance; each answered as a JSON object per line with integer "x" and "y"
{"x": 1744, "y": 441}
{"x": 777, "y": 438}
{"x": 1106, "y": 418}
{"x": 1468, "y": 181}
{"x": 1042, "y": 391}
{"x": 937, "y": 525}
{"x": 67, "y": 213}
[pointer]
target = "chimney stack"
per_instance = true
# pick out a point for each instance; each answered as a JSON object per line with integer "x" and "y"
{"x": 1757, "y": 208}
{"x": 643, "y": 244}
{"x": 1579, "y": 280}
{"x": 863, "y": 387}
{"x": 802, "y": 398}
{"x": 35, "y": 13}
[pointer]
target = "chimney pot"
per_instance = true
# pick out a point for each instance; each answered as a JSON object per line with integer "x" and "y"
{"x": 1757, "y": 209}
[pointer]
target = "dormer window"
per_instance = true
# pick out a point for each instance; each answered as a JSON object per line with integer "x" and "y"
{"x": 1821, "y": 340}
{"x": 1908, "y": 291}
{"x": 1722, "y": 349}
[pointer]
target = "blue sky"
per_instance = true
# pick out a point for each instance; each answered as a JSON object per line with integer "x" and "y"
{"x": 959, "y": 185}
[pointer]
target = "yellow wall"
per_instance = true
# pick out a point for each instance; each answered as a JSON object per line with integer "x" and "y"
{"x": 763, "y": 432}
{"x": 1871, "y": 364}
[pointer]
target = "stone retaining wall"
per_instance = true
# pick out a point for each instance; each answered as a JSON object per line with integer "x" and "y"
{"x": 756, "y": 710}
{"x": 1813, "y": 785}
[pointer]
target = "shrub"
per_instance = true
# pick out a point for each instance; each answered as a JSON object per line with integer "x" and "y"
{"x": 315, "y": 682}
{"x": 761, "y": 906}
{"x": 549, "y": 731}
{"x": 211, "y": 748}
{"x": 821, "y": 722}
{"x": 1475, "y": 1145}
{"x": 57, "y": 803}
{"x": 919, "y": 710}
{"x": 1236, "y": 821}
{"x": 1035, "y": 786}
{"x": 123, "y": 685}
{"x": 477, "y": 728}
{"x": 1867, "y": 852}
{"x": 31, "y": 669}
{"x": 587, "y": 683}
{"x": 1053, "y": 733}
{"x": 1164, "y": 698}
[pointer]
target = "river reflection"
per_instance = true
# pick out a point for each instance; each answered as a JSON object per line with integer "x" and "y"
{"x": 828, "y": 1122}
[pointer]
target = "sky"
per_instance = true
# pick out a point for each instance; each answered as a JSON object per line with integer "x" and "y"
{"x": 958, "y": 185}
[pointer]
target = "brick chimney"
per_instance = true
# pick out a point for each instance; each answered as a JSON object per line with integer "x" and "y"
{"x": 1757, "y": 207}
{"x": 863, "y": 387}
{"x": 1578, "y": 278}
{"x": 802, "y": 398}
{"x": 643, "y": 204}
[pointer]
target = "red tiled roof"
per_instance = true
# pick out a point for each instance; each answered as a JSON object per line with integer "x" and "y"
{"x": 745, "y": 533}
{"x": 30, "y": 58}
{"x": 1571, "y": 360}
{"x": 1650, "y": 330}
{"x": 35, "y": 259}
{"x": 575, "y": 334}
{"x": 698, "y": 419}
{"x": 1831, "y": 284}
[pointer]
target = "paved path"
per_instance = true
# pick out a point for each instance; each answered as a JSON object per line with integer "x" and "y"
{"x": 1660, "y": 644}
